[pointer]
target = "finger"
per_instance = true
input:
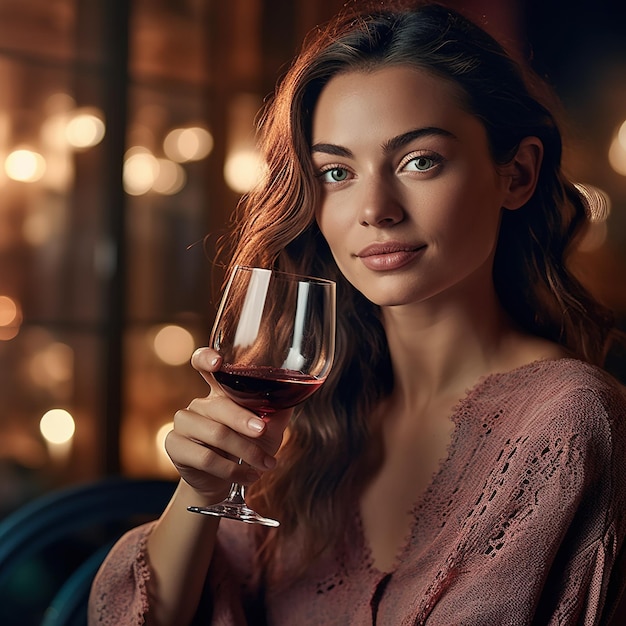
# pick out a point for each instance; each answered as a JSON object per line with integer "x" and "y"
{"x": 202, "y": 464}
{"x": 206, "y": 361}
{"x": 222, "y": 409}
{"x": 221, "y": 439}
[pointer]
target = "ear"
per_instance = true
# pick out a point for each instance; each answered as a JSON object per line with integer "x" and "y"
{"x": 521, "y": 173}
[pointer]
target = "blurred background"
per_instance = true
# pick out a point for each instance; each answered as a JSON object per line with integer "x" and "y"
{"x": 126, "y": 139}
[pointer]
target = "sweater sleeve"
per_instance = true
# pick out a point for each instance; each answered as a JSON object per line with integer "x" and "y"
{"x": 119, "y": 594}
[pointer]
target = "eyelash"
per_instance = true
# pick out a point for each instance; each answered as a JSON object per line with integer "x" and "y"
{"x": 327, "y": 169}
{"x": 436, "y": 159}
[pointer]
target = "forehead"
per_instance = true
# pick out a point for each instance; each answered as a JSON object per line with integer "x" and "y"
{"x": 387, "y": 100}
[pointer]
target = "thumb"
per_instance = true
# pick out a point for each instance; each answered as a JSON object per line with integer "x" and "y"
{"x": 206, "y": 361}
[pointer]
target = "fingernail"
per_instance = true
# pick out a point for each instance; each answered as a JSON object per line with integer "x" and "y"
{"x": 256, "y": 424}
{"x": 269, "y": 462}
{"x": 214, "y": 361}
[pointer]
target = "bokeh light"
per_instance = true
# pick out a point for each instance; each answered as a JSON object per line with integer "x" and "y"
{"x": 8, "y": 311}
{"x": 162, "y": 434}
{"x": 188, "y": 144}
{"x": 171, "y": 178}
{"x": 10, "y": 318}
{"x": 25, "y": 165}
{"x": 164, "y": 463}
{"x": 617, "y": 151}
{"x": 59, "y": 102}
{"x": 85, "y": 129}
{"x": 52, "y": 366}
{"x": 621, "y": 134}
{"x": 173, "y": 345}
{"x": 57, "y": 426}
{"x": 37, "y": 228}
{"x": 141, "y": 169}
{"x": 53, "y": 131}
{"x": 243, "y": 170}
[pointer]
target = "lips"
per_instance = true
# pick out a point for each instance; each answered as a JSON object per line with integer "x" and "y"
{"x": 389, "y": 255}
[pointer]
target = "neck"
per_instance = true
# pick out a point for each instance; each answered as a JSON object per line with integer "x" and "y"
{"x": 439, "y": 352}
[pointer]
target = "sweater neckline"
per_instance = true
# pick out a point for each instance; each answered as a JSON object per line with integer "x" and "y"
{"x": 482, "y": 384}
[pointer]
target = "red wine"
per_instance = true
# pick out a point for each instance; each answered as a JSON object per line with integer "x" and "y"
{"x": 266, "y": 389}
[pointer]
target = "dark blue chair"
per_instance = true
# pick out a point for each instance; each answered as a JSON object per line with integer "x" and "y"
{"x": 51, "y": 548}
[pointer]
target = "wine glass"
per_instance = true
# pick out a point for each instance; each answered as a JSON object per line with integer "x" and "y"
{"x": 275, "y": 333}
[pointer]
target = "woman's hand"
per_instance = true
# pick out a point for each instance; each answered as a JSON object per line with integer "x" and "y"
{"x": 213, "y": 433}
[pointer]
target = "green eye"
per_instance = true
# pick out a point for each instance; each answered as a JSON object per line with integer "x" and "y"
{"x": 422, "y": 163}
{"x": 335, "y": 175}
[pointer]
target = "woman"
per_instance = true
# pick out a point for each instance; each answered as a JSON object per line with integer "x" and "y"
{"x": 464, "y": 464}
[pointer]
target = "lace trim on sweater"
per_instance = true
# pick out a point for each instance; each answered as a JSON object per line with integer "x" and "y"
{"x": 127, "y": 565}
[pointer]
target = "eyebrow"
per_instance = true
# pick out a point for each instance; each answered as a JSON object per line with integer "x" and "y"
{"x": 390, "y": 145}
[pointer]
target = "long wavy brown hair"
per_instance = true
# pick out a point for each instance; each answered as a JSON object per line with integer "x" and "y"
{"x": 322, "y": 460}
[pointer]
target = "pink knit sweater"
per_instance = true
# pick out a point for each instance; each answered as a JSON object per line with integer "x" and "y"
{"x": 524, "y": 523}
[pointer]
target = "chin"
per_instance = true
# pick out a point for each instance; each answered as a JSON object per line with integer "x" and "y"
{"x": 386, "y": 300}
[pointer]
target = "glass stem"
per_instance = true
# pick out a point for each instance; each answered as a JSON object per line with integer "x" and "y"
{"x": 236, "y": 495}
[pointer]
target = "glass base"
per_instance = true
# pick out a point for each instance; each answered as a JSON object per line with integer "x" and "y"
{"x": 240, "y": 512}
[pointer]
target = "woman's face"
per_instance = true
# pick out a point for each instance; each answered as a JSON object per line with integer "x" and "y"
{"x": 410, "y": 196}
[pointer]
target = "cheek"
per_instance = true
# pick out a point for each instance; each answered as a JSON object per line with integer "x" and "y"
{"x": 332, "y": 228}
{"x": 474, "y": 211}
{"x": 334, "y": 232}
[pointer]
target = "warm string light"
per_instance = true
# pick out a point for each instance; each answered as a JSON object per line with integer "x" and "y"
{"x": 164, "y": 463}
{"x": 57, "y": 427}
{"x": 145, "y": 172}
{"x": 85, "y": 129}
{"x": 188, "y": 144}
{"x": 65, "y": 129}
{"x": 10, "y": 318}
{"x": 243, "y": 167}
{"x": 173, "y": 345}
{"x": 25, "y": 165}
{"x": 8, "y": 311}
{"x": 69, "y": 128}
{"x": 51, "y": 368}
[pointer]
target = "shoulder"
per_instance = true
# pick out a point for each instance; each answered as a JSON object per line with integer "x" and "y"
{"x": 557, "y": 430}
{"x": 564, "y": 373}
{"x": 559, "y": 387}
{"x": 565, "y": 401}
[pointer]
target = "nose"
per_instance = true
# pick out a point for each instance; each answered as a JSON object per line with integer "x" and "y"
{"x": 380, "y": 205}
